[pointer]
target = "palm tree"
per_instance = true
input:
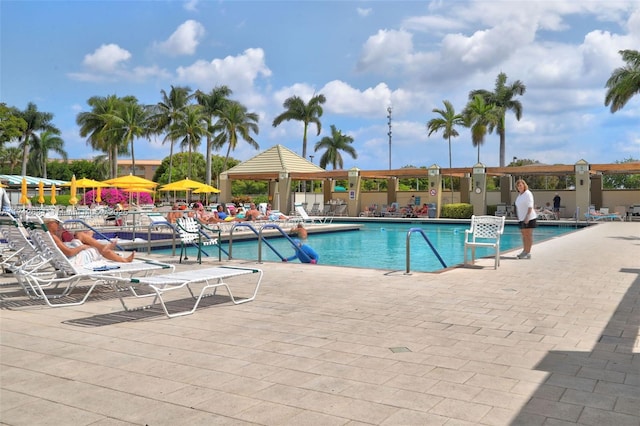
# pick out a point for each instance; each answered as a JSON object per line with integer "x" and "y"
{"x": 234, "y": 121}
{"x": 11, "y": 156}
{"x": 212, "y": 104}
{"x": 96, "y": 125}
{"x": 624, "y": 82}
{"x": 446, "y": 123}
{"x": 130, "y": 121}
{"x": 189, "y": 130}
{"x": 39, "y": 151}
{"x": 36, "y": 122}
{"x": 169, "y": 111}
{"x": 502, "y": 98}
{"x": 334, "y": 144}
{"x": 296, "y": 109}
{"x": 481, "y": 118}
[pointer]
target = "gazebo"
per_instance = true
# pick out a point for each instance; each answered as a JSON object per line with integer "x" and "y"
{"x": 275, "y": 165}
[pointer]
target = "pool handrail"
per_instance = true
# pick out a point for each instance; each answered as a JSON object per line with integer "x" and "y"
{"x": 253, "y": 229}
{"x": 284, "y": 234}
{"x": 408, "y": 245}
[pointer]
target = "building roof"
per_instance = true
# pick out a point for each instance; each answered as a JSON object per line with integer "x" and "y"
{"x": 270, "y": 163}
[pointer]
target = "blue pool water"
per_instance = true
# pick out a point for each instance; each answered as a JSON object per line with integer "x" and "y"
{"x": 383, "y": 246}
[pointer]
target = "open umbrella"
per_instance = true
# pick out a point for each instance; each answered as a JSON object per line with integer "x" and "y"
{"x": 53, "y": 194}
{"x": 41, "y": 192}
{"x": 99, "y": 195}
{"x": 24, "y": 199}
{"x": 73, "y": 200}
{"x": 181, "y": 185}
{"x": 88, "y": 183}
{"x": 129, "y": 181}
{"x": 206, "y": 189}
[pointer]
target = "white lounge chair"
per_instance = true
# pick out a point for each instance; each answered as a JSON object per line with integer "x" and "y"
{"x": 485, "y": 231}
{"x": 309, "y": 219}
{"x": 58, "y": 272}
{"x": 209, "y": 278}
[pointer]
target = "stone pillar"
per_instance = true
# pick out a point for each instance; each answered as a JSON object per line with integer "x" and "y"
{"x": 435, "y": 189}
{"x": 225, "y": 188}
{"x": 505, "y": 189}
{"x": 465, "y": 189}
{"x": 479, "y": 190}
{"x": 282, "y": 196}
{"x": 353, "y": 186}
{"x": 392, "y": 189}
{"x": 327, "y": 190}
{"x": 583, "y": 189}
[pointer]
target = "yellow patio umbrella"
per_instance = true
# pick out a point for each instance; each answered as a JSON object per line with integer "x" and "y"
{"x": 73, "y": 200}
{"x": 24, "y": 199}
{"x": 206, "y": 189}
{"x": 181, "y": 185}
{"x": 99, "y": 195}
{"x": 129, "y": 181}
{"x": 2, "y": 185}
{"x": 53, "y": 194}
{"x": 41, "y": 192}
{"x": 88, "y": 183}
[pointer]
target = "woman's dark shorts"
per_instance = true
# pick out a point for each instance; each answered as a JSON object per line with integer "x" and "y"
{"x": 532, "y": 224}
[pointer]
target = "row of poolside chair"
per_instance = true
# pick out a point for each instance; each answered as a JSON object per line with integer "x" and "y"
{"x": 46, "y": 274}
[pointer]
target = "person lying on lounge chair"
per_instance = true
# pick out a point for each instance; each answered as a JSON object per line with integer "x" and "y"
{"x": 84, "y": 248}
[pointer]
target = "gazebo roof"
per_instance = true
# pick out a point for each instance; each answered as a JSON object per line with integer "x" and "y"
{"x": 270, "y": 163}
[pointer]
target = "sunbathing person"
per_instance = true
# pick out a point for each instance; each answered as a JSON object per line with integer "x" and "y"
{"x": 81, "y": 253}
{"x": 204, "y": 216}
{"x": 174, "y": 214}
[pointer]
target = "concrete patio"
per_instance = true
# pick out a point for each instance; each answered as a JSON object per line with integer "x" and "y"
{"x": 547, "y": 341}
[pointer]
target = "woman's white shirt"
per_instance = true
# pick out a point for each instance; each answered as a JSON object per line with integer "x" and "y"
{"x": 523, "y": 202}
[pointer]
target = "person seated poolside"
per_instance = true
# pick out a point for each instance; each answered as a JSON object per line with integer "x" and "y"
{"x": 422, "y": 210}
{"x": 203, "y": 216}
{"x": 83, "y": 251}
{"x": 275, "y": 214}
{"x": 222, "y": 215}
{"x": 304, "y": 253}
{"x": 253, "y": 213}
{"x": 174, "y": 214}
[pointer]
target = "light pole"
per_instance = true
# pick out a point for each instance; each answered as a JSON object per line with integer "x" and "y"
{"x": 389, "y": 134}
{"x": 311, "y": 158}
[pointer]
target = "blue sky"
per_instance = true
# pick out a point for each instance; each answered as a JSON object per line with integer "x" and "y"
{"x": 364, "y": 56}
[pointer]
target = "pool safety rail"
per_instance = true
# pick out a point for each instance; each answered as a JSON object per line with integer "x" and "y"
{"x": 408, "y": 245}
{"x": 262, "y": 239}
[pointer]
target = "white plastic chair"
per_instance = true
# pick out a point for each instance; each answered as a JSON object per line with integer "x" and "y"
{"x": 485, "y": 231}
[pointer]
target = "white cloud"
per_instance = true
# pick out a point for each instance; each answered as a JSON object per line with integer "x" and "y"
{"x": 191, "y": 5}
{"x": 385, "y": 51}
{"x": 364, "y": 12}
{"x": 237, "y": 72}
{"x": 108, "y": 58}
{"x": 184, "y": 40}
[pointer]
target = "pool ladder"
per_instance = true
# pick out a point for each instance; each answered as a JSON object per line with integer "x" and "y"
{"x": 421, "y": 232}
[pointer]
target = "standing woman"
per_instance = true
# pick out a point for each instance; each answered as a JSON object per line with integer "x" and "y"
{"x": 526, "y": 216}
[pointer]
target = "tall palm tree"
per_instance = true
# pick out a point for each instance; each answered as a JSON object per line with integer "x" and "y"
{"x": 168, "y": 111}
{"x": 130, "y": 121}
{"x": 624, "y": 82}
{"x": 503, "y": 98}
{"x": 333, "y": 145}
{"x": 234, "y": 121}
{"x": 212, "y": 104}
{"x": 481, "y": 117}
{"x": 189, "y": 130}
{"x": 36, "y": 122}
{"x": 97, "y": 126}
{"x": 296, "y": 109}
{"x": 39, "y": 151}
{"x": 446, "y": 122}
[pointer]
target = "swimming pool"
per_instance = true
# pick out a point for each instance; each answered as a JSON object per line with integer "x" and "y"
{"x": 383, "y": 245}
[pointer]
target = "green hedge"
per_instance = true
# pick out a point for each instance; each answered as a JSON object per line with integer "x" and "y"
{"x": 457, "y": 211}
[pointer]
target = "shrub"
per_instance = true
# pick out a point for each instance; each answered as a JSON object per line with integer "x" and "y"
{"x": 456, "y": 211}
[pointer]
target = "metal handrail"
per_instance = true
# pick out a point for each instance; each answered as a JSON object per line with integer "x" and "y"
{"x": 421, "y": 232}
{"x": 254, "y": 230}
{"x": 284, "y": 234}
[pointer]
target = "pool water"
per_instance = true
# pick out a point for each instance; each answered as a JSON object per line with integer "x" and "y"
{"x": 383, "y": 246}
